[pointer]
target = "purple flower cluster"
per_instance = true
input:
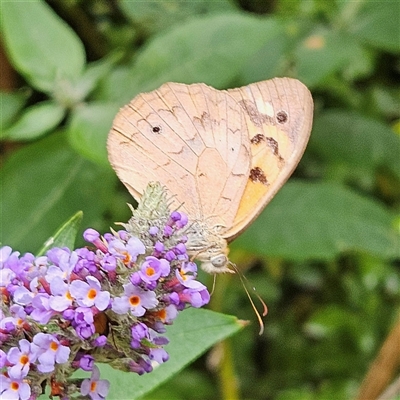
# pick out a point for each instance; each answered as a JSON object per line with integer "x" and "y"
{"x": 69, "y": 309}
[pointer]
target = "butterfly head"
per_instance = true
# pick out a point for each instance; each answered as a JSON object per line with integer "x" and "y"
{"x": 215, "y": 262}
{"x": 209, "y": 247}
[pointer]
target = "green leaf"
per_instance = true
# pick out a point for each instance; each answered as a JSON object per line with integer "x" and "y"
{"x": 212, "y": 49}
{"x": 42, "y": 47}
{"x": 348, "y": 138}
{"x": 320, "y": 221}
{"x": 328, "y": 320}
{"x": 377, "y": 23}
{"x": 270, "y": 60}
{"x": 193, "y": 332}
{"x": 35, "y": 121}
{"x": 322, "y": 53}
{"x": 155, "y": 16}
{"x": 65, "y": 235}
{"x": 10, "y": 106}
{"x": 45, "y": 183}
{"x": 94, "y": 72}
{"x": 88, "y": 130}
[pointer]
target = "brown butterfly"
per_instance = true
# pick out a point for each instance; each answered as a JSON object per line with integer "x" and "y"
{"x": 222, "y": 154}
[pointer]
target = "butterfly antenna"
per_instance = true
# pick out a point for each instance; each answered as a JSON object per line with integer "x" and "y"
{"x": 245, "y": 281}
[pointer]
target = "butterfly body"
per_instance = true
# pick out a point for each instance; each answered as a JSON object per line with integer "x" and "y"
{"x": 221, "y": 154}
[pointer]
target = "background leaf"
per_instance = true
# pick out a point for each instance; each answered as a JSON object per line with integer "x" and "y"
{"x": 345, "y": 137}
{"x": 377, "y": 23}
{"x": 45, "y": 52}
{"x": 210, "y": 49}
{"x": 321, "y": 221}
{"x": 65, "y": 236}
{"x": 43, "y": 184}
{"x": 88, "y": 130}
{"x": 194, "y": 332}
{"x": 11, "y": 104}
{"x": 153, "y": 17}
{"x": 35, "y": 121}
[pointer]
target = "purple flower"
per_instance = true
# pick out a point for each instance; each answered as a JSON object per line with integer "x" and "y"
{"x": 195, "y": 298}
{"x": 140, "y": 366}
{"x": 153, "y": 230}
{"x": 14, "y": 387}
{"x": 139, "y": 331}
{"x": 5, "y": 253}
{"x": 6, "y": 277}
{"x": 99, "y": 341}
{"x": 170, "y": 255}
{"x": 123, "y": 235}
{"x": 128, "y": 252}
{"x": 135, "y": 299}
{"x": 83, "y": 314}
{"x": 23, "y": 296}
{"x": 61, "y": 298}
{"x": 42, "y": 311}
{"x": 64, "y": 263}
{"x": 168, "y": 314}
{"x": 109, "y": 262}
{"x": 177, "y": 219}
{"x": 187, "y": 274}
{"x": 84, "y": 322}
{"x": 160, "y": 340}
{"x": 85, "y": 331}
{"x": 153, "y": 268}
{"x": 86, "y": 262}
{"x": 65, "y": 294}
{"x": 3, "y": 358}
{"x": 49, "y": 351}
{"x": 180, "y": 249}
{"x": 20, "y": 358}
{"x": 159, "y": 355}
{"x": 168, "y": 231}
{"x": 88, "y": 294}
{"x": 15, "y": 320}
{"x": 91, "y": 235}
{"x": 182, "y": 222}
{"x": 86, "y": 362}
{"x": 96, "y": 388}
{"x": 175, "y": 216}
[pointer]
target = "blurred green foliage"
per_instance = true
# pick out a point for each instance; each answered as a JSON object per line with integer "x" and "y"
{"x": 324, "y": 254}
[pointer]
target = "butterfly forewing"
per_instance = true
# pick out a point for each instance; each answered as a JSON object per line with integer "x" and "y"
{"x": 189, "y": 138}
{"x": 278, "y": 115}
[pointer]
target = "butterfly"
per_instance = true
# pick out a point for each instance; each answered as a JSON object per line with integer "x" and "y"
{"x": 222, "y": 154}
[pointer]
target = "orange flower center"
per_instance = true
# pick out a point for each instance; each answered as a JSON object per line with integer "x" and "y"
{"x": 183, "y": 275}
{"x": 93, "y": 386}
{"x": 14, "y": 386}
{"x": 24, "y": 359}
{"x": 54, "y": 346}
{"x": 92, "y": 294}
{"x": 150, "y": 271}
{"x": 134, "y": 300}
{"x": 127, "y": 257}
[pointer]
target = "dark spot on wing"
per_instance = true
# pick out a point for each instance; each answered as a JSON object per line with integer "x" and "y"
{"x": 256, "y": 139}
{"x": 256, "y": 117}
{"x": 156, "y": 129}
{"x": 281, "y": 117}
{"x": 257, "y": 175}
{"x": 274, "y": 146}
